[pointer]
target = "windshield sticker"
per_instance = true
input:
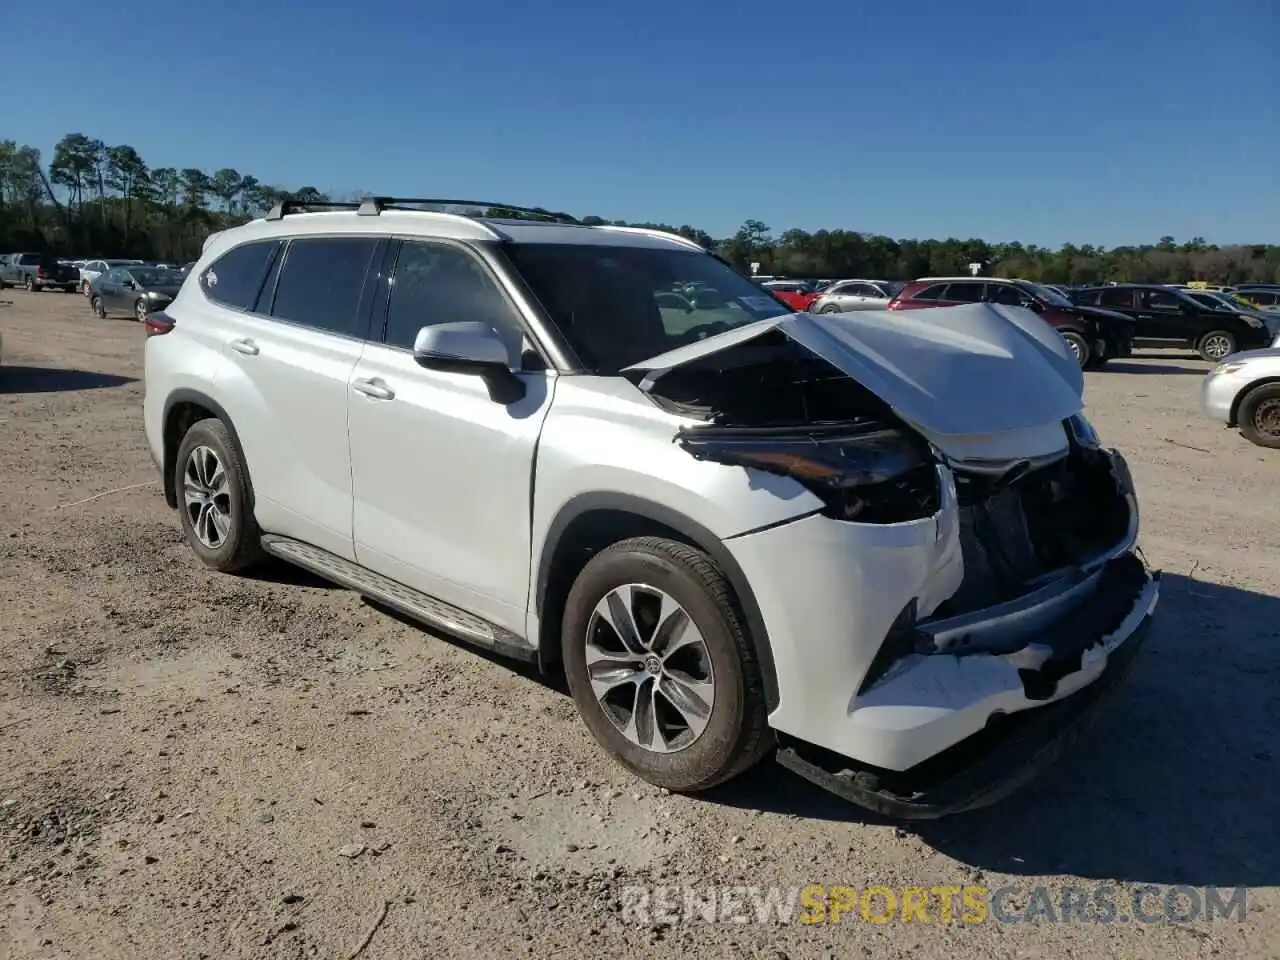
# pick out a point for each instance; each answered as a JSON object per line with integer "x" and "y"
{"x": 759, "y": 304}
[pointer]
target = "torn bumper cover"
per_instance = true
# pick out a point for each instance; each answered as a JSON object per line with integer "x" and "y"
{"x": 1099, "y": 639}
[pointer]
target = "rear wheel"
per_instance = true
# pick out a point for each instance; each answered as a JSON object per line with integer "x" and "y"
{"x": 95, "y": 304}
{"x": 1259, "y": 415}
{"x": 215, "y": 499}
{"x": 31, "y": 285}
{"x": 1216, "y": 345}
{"x": 660, "y": 666}
{"x": 84, "y": 288}
{"x": 830, "y": 308}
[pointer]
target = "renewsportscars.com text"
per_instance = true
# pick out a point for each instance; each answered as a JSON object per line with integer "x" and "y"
{"x": 938, "y": 904}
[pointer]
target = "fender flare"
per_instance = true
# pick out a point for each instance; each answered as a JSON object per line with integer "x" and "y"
{"x": 170, "y": 452}
{"x": 693, "y": 532}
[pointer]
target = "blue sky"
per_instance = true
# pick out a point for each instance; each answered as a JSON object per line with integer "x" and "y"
{"x": 1103, "y": 121}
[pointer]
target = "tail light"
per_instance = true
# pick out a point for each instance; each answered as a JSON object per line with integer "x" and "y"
{"x": 158, "y": 323}
{"x": 39, "y": 273}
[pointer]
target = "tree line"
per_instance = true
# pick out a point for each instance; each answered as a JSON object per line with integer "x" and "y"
{"x": 92, "y": 199}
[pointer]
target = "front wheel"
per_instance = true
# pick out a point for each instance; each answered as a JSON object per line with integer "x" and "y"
{"x": 660, "y": 665}
{"x": 1216, "y": 345}
{"x": 1079, "y": 347}
{"x": 95, "y": 304}
{"x": 140, "y": 310}
{"x": 84, "y": 288}
{"x": 1259, "y": 415}
{"x": 215, "y": 499}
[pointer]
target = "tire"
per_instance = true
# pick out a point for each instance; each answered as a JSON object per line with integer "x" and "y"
{"x": 84, "y": 288}
{"x": 95, "y": 304}
{"x": 238, "y": 545}
{"x": 140, "y": 310}
{"x": 31, "y": 286}
{"x": 1079, "y": 346}
{"x": 1259, "y": 416}
{"x": 1217, "y": 345}
{"x": 734, "y": 732}
{"x": 830, "y": 308}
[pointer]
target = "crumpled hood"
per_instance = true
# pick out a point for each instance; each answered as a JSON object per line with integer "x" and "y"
{"x": 967, "y": 371}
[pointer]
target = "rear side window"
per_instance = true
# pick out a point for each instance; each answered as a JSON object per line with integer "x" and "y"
{"x": 321, "y": 281}
{"x": 1116, "y": 298}
{"x": 235, "y": 278}
{"x": 34, "y": 259}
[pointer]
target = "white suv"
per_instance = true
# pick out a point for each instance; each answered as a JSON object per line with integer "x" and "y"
{"x": 889, "y": 545}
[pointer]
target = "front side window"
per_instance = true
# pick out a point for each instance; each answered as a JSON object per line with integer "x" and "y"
{"x": 235, "y": 278}
{"x": 605, "y": 299}
{"x": 321, "y": 281}
{"x": 1161, "y": 300}
{"x": 963, "y": 292}
{"x": 438, "y": 283}
{"x": 1005, "y": 293}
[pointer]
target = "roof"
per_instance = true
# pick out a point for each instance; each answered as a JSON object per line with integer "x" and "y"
{"x": 968, "y": 279}
{"x": 452, "y": 226}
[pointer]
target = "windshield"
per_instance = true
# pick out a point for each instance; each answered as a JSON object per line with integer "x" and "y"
{"x": 613, "y": 305}
{"x": 154, "y": 276}
{"x": 1046, "y": 294}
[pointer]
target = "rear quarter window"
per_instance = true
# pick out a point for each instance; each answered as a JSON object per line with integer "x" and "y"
{"x": 933, "y": 292}
{"x": 235, "y": 278}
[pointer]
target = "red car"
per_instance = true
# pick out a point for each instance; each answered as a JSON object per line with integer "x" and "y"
{"x": 1094, "y": 336}
{"x": 797, "y": 294}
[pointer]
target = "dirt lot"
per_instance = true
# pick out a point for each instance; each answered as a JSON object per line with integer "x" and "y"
{"x": 195, "y": 765}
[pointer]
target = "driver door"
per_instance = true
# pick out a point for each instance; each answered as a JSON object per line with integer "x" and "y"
{"x": 442, "y": 472}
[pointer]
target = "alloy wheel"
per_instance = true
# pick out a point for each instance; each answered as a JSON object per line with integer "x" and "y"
{"x": 649, "y": 668}
{"x": 207, "y": 495}
{"x": 140, "y": 311}
{"x": 1217, "y": 346}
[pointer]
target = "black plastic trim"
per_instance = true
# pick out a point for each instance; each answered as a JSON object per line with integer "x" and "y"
{"x": 698, "y": 535}
{"x": 186, "y": 395}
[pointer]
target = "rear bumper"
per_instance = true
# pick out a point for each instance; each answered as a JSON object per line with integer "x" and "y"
{"x": 1012, "y": 748}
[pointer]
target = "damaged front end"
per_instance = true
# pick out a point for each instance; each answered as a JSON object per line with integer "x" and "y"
{"x": 946, "y": 617}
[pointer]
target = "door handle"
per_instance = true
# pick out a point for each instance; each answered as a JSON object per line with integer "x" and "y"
{"x": 375, "y": 388}
{"x": 245, "y": 346}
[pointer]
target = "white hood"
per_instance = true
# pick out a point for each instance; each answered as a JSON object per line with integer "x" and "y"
{"x": 958, "y": 374}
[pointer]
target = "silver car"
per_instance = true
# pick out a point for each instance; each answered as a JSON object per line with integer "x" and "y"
{"x": 848, "y": 295}
{"x": 1244, "y": 391}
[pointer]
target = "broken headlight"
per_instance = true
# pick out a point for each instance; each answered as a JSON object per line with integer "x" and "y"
{"x": 873, "y": 476}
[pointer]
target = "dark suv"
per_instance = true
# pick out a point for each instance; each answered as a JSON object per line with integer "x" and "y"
{"x": 1169, "y": 316}
{"x": 1094, "y": 335}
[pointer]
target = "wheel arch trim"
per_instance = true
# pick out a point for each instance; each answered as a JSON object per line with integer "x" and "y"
{"x": 184, "y": 395}
{"x": 692, "y": 531}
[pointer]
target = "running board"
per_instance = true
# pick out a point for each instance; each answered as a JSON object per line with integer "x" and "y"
{"x": 426, "y": 610}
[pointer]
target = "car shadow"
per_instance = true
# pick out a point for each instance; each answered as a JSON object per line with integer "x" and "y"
{"x": 273, "y": 570}
{"x": 1137, "y": 365}
{"x": 1175, "y": 782}
{"x": 17, "y": 379}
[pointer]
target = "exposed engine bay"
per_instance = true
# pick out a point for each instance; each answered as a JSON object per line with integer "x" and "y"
{"x": 772, "y": 405}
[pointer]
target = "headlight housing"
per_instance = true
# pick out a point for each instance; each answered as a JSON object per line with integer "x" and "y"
{"x": 1252, "y": 321}
{"x": 1083, "y": 432}
{"x": 872, "y": 475}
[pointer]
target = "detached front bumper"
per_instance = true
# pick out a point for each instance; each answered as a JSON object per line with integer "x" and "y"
{"x": 1012, "y": 748}
{"x": 974, "y": 703}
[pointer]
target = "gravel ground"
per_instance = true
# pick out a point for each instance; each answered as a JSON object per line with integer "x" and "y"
{"x": 195, "y": 765}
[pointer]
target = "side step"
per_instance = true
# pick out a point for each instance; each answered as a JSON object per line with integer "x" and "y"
{"x": 427, "y": 610}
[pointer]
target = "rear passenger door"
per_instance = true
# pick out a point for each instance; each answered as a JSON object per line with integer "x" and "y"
{"x": 443, "y": 471}
{"x": 288, "y": 360}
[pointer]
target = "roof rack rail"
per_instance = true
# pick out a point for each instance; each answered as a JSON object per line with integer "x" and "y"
{"x": 372, "y": 206}
{"x": 286, "y": 207}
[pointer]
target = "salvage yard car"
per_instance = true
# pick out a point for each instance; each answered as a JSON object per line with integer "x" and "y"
{"x": 892, "y": 548}
{"x": 1244, "y": 392}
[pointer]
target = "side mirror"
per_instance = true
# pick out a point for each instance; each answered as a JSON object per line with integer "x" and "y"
{"x": 469, "y": 347}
